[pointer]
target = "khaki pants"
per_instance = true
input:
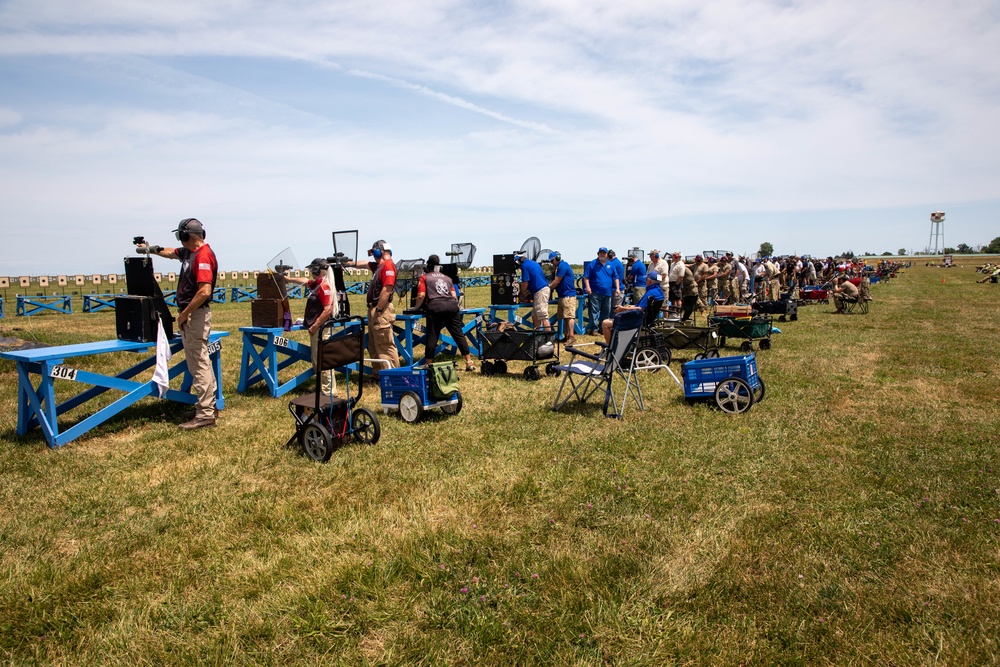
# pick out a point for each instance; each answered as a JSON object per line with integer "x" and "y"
{"x": 327, "y": 382}
{"x": 195, "y": 338}
{"x": 381, "y": 344}
{"x": 775, "y": 289}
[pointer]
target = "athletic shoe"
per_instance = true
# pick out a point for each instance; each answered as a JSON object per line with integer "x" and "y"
{"x": 197, "y": 423}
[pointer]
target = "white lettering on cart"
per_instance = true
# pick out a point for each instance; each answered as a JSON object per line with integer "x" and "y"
{"x": 281, "y": 341}
{"x": 63, "y": 373}
{"x": 214, "y": 347}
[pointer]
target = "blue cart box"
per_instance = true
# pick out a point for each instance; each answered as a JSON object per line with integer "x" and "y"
{"x": 702, "y": 376}
{"x": 396, "y": 383}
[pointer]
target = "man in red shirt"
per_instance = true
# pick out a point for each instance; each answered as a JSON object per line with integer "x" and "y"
{"x": 320, "y": 306}
{"x": 381, "y": 313}
{"x": 195, "y": 284}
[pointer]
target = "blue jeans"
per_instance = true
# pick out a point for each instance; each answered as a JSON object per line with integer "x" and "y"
{"x": 599, "y": 306}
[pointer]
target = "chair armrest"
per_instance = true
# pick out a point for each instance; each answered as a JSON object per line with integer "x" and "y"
{"x": 579, "y": 353}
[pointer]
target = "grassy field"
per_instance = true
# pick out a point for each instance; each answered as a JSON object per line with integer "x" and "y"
{"x": 853, "y": 517}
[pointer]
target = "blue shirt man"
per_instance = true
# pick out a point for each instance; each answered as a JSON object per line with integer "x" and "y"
{"x": 567, "y": 283}
{"x": 534, "y": 283}
{"x": 653, "y": 292}
{"x": 531, "y": 273}
{"x": 637, "y": 275}
{"x": 600, "y": 281}
{"x": 564, "y": 282}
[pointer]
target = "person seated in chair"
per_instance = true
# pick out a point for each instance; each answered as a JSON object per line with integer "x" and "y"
{"x": 844, "y": 291}
{"x": 653, "y": 296}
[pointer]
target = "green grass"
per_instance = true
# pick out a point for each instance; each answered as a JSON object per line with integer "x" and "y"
{"x": 850, "y": 518}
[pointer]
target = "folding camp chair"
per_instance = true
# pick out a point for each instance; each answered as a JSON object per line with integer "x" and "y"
{"x": 322, "y": 422}
{"x": 586, "y": 373}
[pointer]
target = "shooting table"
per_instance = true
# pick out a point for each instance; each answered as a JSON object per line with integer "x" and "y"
{"x": 35, "y": 304}
{"x": 511, "y": 311}
{"x": 38, "y": 406}
{"x": 407, "y": 325}
{"x": 93, "y": 303}
{"x": 259, "y": 361}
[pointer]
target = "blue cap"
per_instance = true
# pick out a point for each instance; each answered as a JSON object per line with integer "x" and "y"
{"x": 602, "y": 249}
{"x": 554, "y": 254}
{"x": 652, "y": 275}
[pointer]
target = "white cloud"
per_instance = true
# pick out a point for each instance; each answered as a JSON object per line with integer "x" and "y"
{"x": 553, "y": 113}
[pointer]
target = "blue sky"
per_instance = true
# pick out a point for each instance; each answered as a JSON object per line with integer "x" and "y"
{"x": 820, "y": 126}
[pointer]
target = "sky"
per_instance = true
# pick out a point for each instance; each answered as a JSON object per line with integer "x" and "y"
{"x": 820, "y": 126}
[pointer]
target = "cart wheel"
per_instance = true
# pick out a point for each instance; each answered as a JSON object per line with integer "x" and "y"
{"x": 765, "y": 344}
{"x": 647, "y": 356}
{"x": 747, "y": 346}
{"x": 699, "y": 356}
{"x": 781, "y": 318}
{"x": 722, "y": 341}
{"x": 316, "y": 443}
{"x": 733, "y": 395}
{"x": 487, "y": 368}
{"x": 411, "y": 408}
{"x": 453, "y": 408}
{"x": 531, "y": 373}
{"x": 712, "y": 354}
{"x": 794, "y": 318}
{"x": 500, "y": 367}
{"x": 365, "y": 426}
{"x": 550, "y": 368}
{"x": 758, "y": 395}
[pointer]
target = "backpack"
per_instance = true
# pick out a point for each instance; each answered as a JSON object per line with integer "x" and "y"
{"x": 444, "y": 380}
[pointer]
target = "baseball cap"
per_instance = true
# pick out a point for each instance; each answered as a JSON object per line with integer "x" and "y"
{"x": 612, "y": 253}
{"x": 654, "y": 251}
{"x": 555, "y": 254}
{"x": 711, "y": 260}
{"x": 675, "y": 253}
{"x": 602, "y": 249}
{"x": 698, "y": 258}
{"x": 652, "y": 275}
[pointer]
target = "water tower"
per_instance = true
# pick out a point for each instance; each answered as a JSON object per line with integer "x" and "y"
{"x": 936, "y": 243}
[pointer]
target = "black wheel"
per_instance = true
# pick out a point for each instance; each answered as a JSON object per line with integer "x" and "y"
{"x": 411, "y": 408}
{"x": 531, "y": 373}
{"x": 365, "y": 426}
{"x": 765, "y": 344}
{"x": 747, "y": 346}
{"x": 550, "y": 368}
{"x": 712, "y": 354}
{"x": 781, "y": 318}
{"x": 794, "y": 318}
{"x": 699, "y": 356}
{"x": 487, "y": 368}
{"x": 722, "y": 341}
{"x": 316, "y": 443}
{"x": 646, "y": 357}
{"x": 453, "y": 408}
{"x": 500, "y": 367}
{"x": 758, "y": 394}
{"x": 734, "y": 396}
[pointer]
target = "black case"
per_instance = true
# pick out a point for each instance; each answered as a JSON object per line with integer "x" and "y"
{"x": 135, "y": 318}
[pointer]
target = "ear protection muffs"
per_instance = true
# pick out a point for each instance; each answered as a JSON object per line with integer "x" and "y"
{"x": 376, "y": 249}
{"x": 187, "y": 227}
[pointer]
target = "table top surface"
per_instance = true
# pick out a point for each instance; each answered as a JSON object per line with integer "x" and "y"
{"x": 86, "y": 349}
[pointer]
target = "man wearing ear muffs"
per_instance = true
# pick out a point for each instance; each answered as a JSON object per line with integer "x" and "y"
{"x": 195, "y": 285}
{"x": 381, "y": 313}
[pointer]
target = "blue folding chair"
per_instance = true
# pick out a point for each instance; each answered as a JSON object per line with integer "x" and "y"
{"x": 585, "y": 373}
